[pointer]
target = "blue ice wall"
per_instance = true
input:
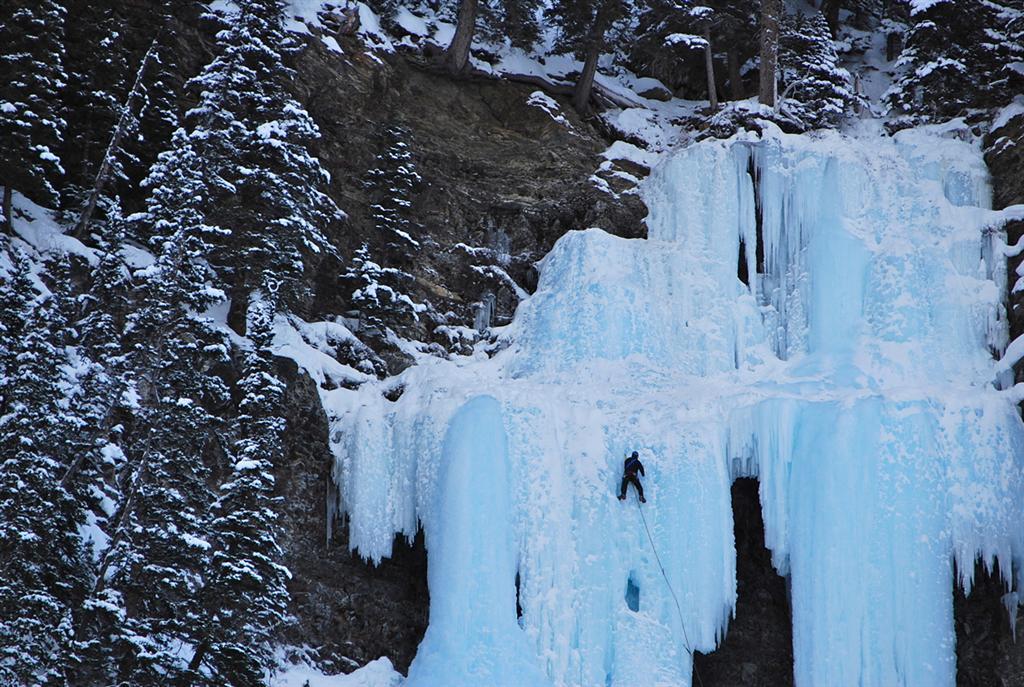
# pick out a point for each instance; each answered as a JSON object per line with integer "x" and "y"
{"x": 854, "y": 377}
{"x": 473, "y": 637}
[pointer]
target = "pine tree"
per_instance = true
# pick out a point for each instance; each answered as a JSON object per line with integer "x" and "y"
{"x": 43, "y": 572}
{"x": 102, "y": 380}
{"x": 816, "y": 91}
{"x": 31, "y": 80}
{"x": 143, "y": 605}
{"x": 511, "y": 21}
{"x": 1010, "y": 75}
{"x": 952, "y": 60}
{"x": 245, "y": 595}
{"x": 97, "y": 74}
{"x": 97, "y": 185}
{"x": 157, "y": 107}
{"x": 16, "y": 293}
{"x": 669, "y": 33}
{"x": 267, "y": 189}
{"x": 380, "y": 294}
{"x": 390, "y": 184}
{"x": 107, "y": 301}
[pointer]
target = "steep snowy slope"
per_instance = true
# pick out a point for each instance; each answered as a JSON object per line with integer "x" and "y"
{"x": 854, "y": 377}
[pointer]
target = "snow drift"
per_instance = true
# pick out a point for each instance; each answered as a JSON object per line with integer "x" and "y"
{"x": 854, "y": 376}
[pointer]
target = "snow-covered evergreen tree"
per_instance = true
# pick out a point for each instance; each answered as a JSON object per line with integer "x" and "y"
{"x": 390, "y": 185}
{"x": 815, "y": 90}
{"x": 245, "y": 594}
{"x": 31, "y": 81}
{"x": 157, "y": 115}
{"x": 267, "y": 187}
{"x": 106, "y": 302}
{"x": 952, "y": 60}
{"x": 152, "y": 572}
{"x": 1010, "y": 77}
{"x": 514, "y": 21}
{"x": 670, "y": 36}
{"x": 101, "y": 379}
{"x": 380, "y": 294}
{"x": 43, "y": 572}
{"x": 16, "y": 293}
{"x": 97, "y": 70}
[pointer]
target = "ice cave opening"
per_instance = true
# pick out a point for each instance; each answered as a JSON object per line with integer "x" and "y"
{"x": 758, "y": 647}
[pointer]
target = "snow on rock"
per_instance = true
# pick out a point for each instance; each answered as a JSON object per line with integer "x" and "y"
{"x": 853, "y": 376}
{"x": 411, "y": 23}
{"x": 1009, "y": 113}
{"x": 621, "y": 150}
{"x": 36, "y": 226}
{"x": 379, "y": 673}
{"x": 312, "y": 347}
{"x": 550, "y": 106}
{"x": 303, "y": 14}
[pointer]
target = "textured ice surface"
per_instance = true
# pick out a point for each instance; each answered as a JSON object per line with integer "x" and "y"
{"x": 854, "y": 377}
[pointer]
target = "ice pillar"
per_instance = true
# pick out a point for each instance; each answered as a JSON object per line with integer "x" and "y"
{"x": 473, "y": 638}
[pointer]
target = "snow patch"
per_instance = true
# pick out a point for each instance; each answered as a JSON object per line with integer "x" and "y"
{"x": 379, "y": 673}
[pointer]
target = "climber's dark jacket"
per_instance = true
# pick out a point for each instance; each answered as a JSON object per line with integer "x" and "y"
{"x": 629, "y": 469}
{"x": 631, "y": 466}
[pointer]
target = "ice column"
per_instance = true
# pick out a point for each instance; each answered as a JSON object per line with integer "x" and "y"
{"x": 473, "y": 638}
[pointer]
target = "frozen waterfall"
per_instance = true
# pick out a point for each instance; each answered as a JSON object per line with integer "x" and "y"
{"x": 854, "y": 376}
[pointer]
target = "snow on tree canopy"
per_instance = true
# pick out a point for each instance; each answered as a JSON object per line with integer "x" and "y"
{"x": 853, "y": 377}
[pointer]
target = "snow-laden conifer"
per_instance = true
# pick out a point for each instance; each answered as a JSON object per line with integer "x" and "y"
{"x": 267, "y": 189}
{"x": 32, "y": 78}
{"x": 816, "y": 91}
{"x": 245, "y": 595}
{"x": 43, "y": 572}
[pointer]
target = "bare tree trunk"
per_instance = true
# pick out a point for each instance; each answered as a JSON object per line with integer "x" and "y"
{"x": 458, "y": 52}
{"x": 709, "y": 64}
{"x": 735, "y": 80}
{"x": 595, "y": 41}
{"x": 771, "y": 13}
{"x": 893, "y": 46}
{"x": 193, "y": 665}
{"x": 585, "y": 84}
{"x": 830, "y": 8}
{"x": 8, "y": 224}
{"x": 127, "y": 115}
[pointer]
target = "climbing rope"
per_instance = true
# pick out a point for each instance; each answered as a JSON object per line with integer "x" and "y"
{"x": 679, "y": 610}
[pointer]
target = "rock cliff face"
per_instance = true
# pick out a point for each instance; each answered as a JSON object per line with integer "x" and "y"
{"x": 758, "y": 649}
{"x": 987, "y": 651}
{"x": 1004, "y": 154}
{"x": 501, "y": 181}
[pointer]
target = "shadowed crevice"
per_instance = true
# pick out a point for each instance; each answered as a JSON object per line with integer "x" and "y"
{"x": 758, "y": 649}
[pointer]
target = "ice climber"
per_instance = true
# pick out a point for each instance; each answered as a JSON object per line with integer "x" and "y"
{"x": 630, "y": 467}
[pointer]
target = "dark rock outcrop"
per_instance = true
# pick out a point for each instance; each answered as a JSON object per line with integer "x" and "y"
{"x": 987, "y": 652}
{"x": 347, "y": 611}
{"x": 1004, "y": 155}
{"x": 499, "y": 175}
